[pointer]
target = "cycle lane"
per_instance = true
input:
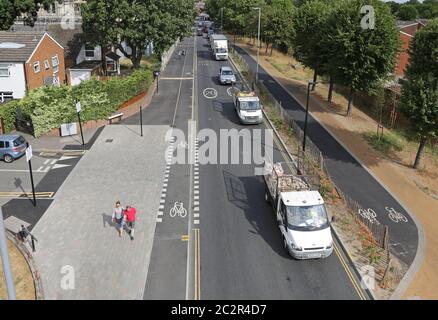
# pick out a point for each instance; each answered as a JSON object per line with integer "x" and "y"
{"x": 348, "y": 173}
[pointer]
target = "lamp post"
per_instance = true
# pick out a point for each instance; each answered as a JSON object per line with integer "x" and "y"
{"x": 222, "y": 19}
{"x": 258, "y": 44}
{"x": 310, "y": 83}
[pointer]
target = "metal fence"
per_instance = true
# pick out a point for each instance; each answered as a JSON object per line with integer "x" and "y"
{"x": 311, "y": 160}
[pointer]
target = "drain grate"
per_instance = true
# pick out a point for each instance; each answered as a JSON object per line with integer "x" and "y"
{"x": 109, "y": 140}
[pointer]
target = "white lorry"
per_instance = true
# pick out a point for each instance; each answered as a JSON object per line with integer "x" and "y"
{"x": 248, "y": 107}
{"x": 301, "y": 214}
{"x": 219, "y": 46}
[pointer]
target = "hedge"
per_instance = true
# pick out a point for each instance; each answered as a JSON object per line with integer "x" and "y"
{"x": 49, "y": 107}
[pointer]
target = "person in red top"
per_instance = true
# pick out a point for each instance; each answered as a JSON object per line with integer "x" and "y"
{"x": 130, "y": 213}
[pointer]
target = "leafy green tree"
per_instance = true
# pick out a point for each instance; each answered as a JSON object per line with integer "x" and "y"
{"x": 310, "y": 26}
{"x": 361, "y": 58}
{"x": 11, "y": 9}
{"x": 419, "y": 99}
{"x": 137, "y": 23}
{"x": 407, "y": 12}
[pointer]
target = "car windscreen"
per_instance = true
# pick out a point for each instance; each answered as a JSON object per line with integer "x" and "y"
{"x": 307, "y": 218}
{"x": 19, "y": 141}
{"x": 227, "y": 72}
{"x": 249, "y": 105}
{"x": 221, "y": 50}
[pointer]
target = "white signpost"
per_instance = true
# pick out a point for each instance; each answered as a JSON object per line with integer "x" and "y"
{"x": 29, "y": 153}
{"x": 29, "y": 156}
{"x": 78, "y": 107}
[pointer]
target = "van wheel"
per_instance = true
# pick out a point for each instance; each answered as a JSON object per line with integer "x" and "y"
{"x": 8, "y": 158}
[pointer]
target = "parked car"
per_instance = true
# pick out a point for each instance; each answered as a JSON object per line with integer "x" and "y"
{"x": 226, "y": 76}
{"x": 12, "y": 146}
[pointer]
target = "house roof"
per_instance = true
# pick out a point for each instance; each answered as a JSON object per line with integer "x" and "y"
{"x": 86, "y": 65}
{"x": 18, "y": 46}
{"x": 71, "y": 39}
{"x": 113, "y": 56}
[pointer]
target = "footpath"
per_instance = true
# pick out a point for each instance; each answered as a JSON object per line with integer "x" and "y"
{"x": 422, "y": 279}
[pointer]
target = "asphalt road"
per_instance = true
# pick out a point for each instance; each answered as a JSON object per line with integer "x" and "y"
{"x": 347, "y": 173}
{"x": 241, "y": 251}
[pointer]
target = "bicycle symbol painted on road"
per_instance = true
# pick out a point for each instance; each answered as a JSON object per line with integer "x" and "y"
{"x": 395, "y": 216}
{"x": 232, "y": 90}
{"x": 210, "y": 93}
{"x": 178, "y": 209}
{"x": 369, "y": 214}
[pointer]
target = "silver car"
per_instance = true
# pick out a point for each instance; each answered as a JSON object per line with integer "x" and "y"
{"x": 226, "y": 76}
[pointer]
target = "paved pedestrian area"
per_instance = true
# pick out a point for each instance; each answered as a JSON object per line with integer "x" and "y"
{"x": 79, "y": 253}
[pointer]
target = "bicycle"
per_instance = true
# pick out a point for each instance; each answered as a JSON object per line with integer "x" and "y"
{"x": 395, "y": 216}
{"x": 178, "y": 209}
{"x": 369, "y": 214}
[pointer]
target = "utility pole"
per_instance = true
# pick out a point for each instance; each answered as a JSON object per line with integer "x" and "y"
{"x": 5, "y": 259}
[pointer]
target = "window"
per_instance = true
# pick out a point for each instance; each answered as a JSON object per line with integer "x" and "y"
{"x": 55, "y": 64}
{"x": 4, "y": 70}
{"x": 36, "y": 67}
{"x": 89, "y": 51}
{"x": 46, "y": 64}
{"x": 4, "y": 144}
{"x": 6, "y": 96}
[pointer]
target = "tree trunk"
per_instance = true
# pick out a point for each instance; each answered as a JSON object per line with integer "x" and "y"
{"x": 272, "y": 49}
{"x": 420, "y": 152}
{"x": 350, "y": 102}
{"x": 266, "y": 51}
{"x": 103, "y": 60}
{"x": 315, "y": 77}
{"x": 330, "y": 93}
{"x": 137, "y": 54}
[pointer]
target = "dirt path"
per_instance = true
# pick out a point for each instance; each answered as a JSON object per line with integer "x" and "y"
{"x": 24, "y": 286}
{"x": 398, "y": 178}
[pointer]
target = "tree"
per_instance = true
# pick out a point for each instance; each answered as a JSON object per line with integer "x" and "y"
{"x": 361, "y": 58}
{"x": 131, "y": 25}
{"x": 407, "y": 12}
{"x": 11, "y": 9}
{"x": 310, "y": 26}
{"x": 419, "y": 101}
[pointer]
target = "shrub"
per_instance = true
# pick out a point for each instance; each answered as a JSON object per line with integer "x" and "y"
{"x": 387, "y": 143}
{"x": 49, "y": 107}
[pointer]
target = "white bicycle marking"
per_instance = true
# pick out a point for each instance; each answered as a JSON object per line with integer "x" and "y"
{"x": 210, "y": 93}
{"x": 178, "y": 208}
{"x": 231, "y": 90}
{"x": 395, "y": 216}
{"x": 369, "y": 214}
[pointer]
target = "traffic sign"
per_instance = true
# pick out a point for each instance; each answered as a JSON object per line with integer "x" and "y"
{"x": 78, "y": 106}
{"x": 29, "y": 153}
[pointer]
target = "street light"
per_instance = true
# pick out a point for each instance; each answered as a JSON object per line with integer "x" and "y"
{"x": 222, "y": 19}
{"x": 5, "y": 260}
{"x": 258, "y": 44}
{"x": 310, "y": 83}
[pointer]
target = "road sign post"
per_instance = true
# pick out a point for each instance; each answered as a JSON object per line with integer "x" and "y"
{"x": 29, "y": 156}
{"x": 5, "y": 259}
{"x": 78, "y": 110}
{"x": 141, "y": 122}
{"x": 157, "y": 75}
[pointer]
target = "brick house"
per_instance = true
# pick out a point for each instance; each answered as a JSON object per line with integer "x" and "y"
{"x": 29, "y": 60}
{"x": 407, "y": 30}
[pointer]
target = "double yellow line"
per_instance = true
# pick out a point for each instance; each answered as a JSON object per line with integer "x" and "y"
{"x": 45, "y": 195}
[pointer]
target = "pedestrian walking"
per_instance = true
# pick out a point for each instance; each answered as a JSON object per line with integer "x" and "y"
{"x": 130, "y": 214}
{"x": 118, "y": 217}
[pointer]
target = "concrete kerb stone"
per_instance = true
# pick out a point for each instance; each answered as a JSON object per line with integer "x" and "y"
{"x": 39, "y": 292}
{"x": 421, "y": 249}
{"x": 370, "y": 293}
